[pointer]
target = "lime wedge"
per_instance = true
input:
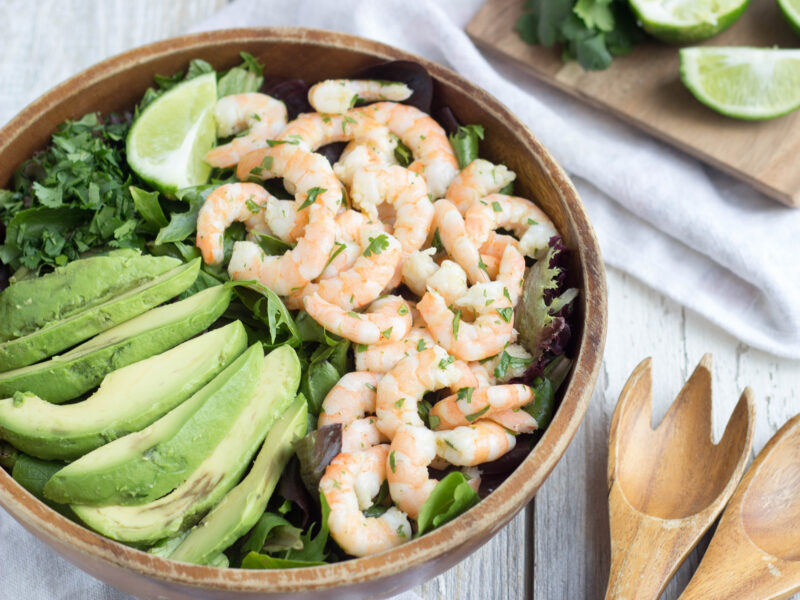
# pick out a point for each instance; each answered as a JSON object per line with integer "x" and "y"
{"x": 746, "y": 83}
{"x": 791, "y": 10}
{"x": 686, "y": 21}
{"x": 169, "y": 140}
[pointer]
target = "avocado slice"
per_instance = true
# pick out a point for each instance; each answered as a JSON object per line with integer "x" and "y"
{"x": 239, "y": 510}
{"x": 128, "y": 400}
{"x": 145, "y": 465}
{"x": 218, "y": 473}
{"x": 32, "y": 474}
{"x": 69, "y": 375}
{"x": 34, "y": 303}
{"x": 82, "y": 325}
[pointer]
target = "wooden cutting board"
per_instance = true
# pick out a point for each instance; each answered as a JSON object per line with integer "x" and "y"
{"x": 644, "y": 88}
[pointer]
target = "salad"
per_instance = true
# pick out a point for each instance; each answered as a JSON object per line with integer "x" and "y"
{"x": 261, "y": 324}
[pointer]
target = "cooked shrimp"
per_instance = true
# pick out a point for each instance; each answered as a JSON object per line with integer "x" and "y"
{"x": 308, "y": 173}
{"x": 511, "y": 273}
{"x": 421, "y": 272}
{"x": 387, "y": 320}
{"x": 381, "y": 358}
{"x": 492, "y": 329}
{"x": 523, "y": 217}
{"x": 363, "y": 282}
{"x": 347, "y": 403}
{"x": 434, "y": 157}
{"x": 403, "y": 387}
{"x": 295, "y": 268}
{"x": 475, "y": 444}
{"x": 347, "y": 247}
{"x": 231, "y": 202}
{"x": 361, "y": 153}
{"x": 263, "y": 115}
{"x": 515, "y": 420}
{"x": 340, "y": 95}
{"x": 471, "y": 404}
{"x": 492, "y": 250}
{"x": 412, "y": 450}
{"x": 464, "y": 251}
{"x": 513, "y": 371}
{"x": 310, "y": 131}
{"x": 350, "y": 482}
{"x": 478, "y": 179}
{"x": 403, "y": 189}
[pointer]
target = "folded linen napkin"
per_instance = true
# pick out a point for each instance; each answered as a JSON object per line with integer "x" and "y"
{"x": 696, "y": 235}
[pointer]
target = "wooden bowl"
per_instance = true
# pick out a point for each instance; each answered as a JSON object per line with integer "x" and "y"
{"x": 116, "y": 85}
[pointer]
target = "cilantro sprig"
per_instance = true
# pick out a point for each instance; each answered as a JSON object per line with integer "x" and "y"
{"x": 590, "y": 31}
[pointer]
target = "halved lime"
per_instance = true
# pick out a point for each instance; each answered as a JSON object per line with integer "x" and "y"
{"x": 791, "y": 10}
{"x": 169, "y": 140}
{"x": 686, "y": 21}
{"x": 746, "y": 83}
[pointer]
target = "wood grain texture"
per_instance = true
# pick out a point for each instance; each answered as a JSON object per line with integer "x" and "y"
{"x": 644, "y": 88}
{"x": 757, "y": 538}
{"x": 668, "y": 484}
{"x": 560, "y": 548}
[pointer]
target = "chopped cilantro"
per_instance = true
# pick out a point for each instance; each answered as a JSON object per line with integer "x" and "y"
{"x": 506, "y": 313}
{"x": 311, "y": 197}
{"x": 477, "y": 415}
{"x": 465, "y": 393}
{"x": 376, "y": 245}
{"x": 446, "y": 362}
{"x": 456, "y": 323}
{"x": 420, "y": 345}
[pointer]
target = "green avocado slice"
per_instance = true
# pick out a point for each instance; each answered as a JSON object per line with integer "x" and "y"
{"x": 128, "y": 400}
{"x": 145, "y": 465}
{"x": 67, "y": 376}
{"x": 82, "y": 325}
{"x": 239, "y": 510}
{"x": 218, "y": 473}
{"x": 34, "y": 303}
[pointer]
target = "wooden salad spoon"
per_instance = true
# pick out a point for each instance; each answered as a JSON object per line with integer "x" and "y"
{"x": 666, "y": 486}
{"x": 755, "y": 552}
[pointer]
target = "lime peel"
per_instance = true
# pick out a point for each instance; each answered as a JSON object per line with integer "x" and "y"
{"x": 791, "y": 10}
{"x": 687, "y": 21}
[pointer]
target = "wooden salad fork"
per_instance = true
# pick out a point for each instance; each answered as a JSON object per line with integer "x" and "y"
{"x": 666, "y": 486}
{"x": 755, "y": 552}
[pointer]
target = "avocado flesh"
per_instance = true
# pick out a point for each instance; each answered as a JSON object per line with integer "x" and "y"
{"x": 239, "y": 510}
{"x": 69, "y": 375}
{"x": 218, "y": 473}
{"x": 128, "y": 400}
{"x": 34, "y": 303}
{"x": 82, "y": 325}
{"x": 145, "y": 465}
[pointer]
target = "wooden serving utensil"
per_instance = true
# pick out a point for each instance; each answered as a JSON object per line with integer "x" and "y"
{"x": 666, "y": 486}
{"x": 755, "y": 552}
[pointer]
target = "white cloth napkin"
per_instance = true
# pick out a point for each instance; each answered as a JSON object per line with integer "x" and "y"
{"x": 690, "y": 232}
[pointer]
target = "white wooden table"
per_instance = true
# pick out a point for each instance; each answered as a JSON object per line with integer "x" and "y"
{"x": 558, "y": 547}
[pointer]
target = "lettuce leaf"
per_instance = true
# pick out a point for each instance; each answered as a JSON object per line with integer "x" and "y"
{"x": 451, "y": 497}
{"x": 542, "y": 315}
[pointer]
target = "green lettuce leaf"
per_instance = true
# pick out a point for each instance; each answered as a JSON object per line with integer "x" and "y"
{"x": 451, "y": 497}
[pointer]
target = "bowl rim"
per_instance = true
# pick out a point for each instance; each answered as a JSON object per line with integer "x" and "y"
{"x": 480, "y": 522}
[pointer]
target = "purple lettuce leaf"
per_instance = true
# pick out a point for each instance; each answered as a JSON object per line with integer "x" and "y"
{"x": 414, "y": 75}
{"x": 543, "y": 315}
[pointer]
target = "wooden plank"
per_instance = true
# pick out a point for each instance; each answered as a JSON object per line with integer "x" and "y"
{"x": 644, "y": 88}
